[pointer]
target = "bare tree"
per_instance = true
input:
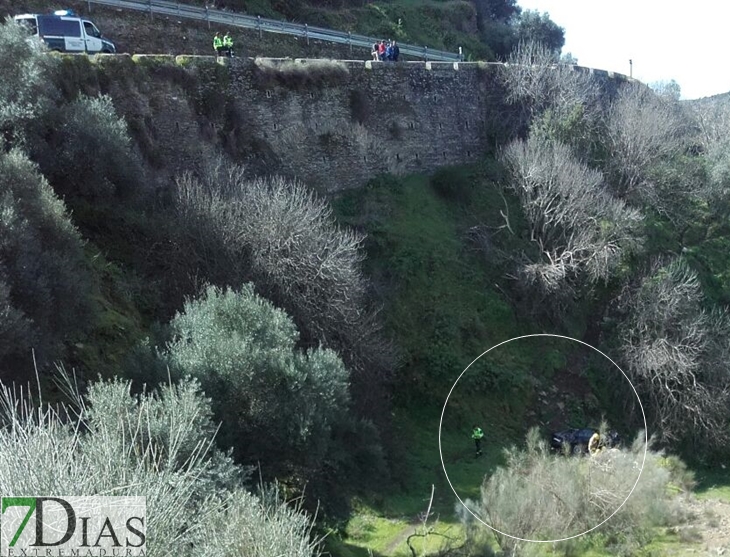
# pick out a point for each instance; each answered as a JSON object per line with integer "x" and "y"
{"x": 562, "y": 102}
{"x": 711, "y": 120}
{"x": 677, "y": 353}
{"x": 580, "y": 230}
{"x": 642, "y": 129}
{"x": 280, "y": 235}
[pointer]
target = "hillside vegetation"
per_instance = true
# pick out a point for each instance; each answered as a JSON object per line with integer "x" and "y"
{"x": 485, "y": 29}
{"x": 288, "y": 353}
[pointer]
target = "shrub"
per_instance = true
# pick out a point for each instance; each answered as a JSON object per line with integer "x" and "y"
{"x": 94, "y": 157}
{"x": 291, "y": 74}
{"x": 278, "y": 404}
{"x": 43, "y": 278}
{"x": 676, "y": 353}
{"x": 281, "y": 236}
{"x": 454, "y": 184}
{"x": 26, "y": 89}
{"x": 539, "y": 495}
{"x": 157, "y": 445}
{"x": 642, "y": 130}
{"x": 580, "y": 230}
{"x": 561, "y": 104}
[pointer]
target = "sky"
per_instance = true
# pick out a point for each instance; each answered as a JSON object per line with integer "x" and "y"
{"x": 688, "y": 42}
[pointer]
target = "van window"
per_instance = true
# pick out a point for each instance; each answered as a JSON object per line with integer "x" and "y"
{"x": 30, "y": 23}
{"x": 91, "y": 30}
{"x": 57, "y": 27}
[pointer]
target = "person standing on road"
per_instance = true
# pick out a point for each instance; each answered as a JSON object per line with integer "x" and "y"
{"x": 217, "y": 44}
{"x": 477, "y": 434}
{"x": 395, "y": 51}
{"x": 228, "y": 45}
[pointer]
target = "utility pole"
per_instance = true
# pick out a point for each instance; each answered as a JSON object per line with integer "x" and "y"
{"x": 631, "y": 68}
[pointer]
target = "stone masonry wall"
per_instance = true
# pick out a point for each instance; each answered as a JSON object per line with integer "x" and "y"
{"x": 333, "y": 125}
{"x": 398, "y": 118}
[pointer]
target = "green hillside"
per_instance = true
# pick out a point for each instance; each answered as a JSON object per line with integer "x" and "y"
{"x": 269, "y": 365}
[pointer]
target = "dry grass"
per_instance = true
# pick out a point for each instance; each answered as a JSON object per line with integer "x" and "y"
{"x": 299, "y": 75}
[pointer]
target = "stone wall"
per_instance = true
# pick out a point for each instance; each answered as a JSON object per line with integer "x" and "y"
{"x": 332, "y": 124}
{"x": 372, "y": 118}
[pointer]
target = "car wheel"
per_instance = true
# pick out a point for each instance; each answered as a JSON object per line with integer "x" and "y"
{"x": 578, "y": 450}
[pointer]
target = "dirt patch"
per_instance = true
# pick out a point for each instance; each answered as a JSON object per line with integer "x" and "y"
{"x": 710, "y": 524}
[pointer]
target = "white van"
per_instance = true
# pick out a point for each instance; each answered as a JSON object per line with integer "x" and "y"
{"x": 63, "y": 31}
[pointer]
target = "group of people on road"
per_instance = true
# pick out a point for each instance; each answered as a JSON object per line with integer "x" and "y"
{"x": 223, "y": 46}
{"x": 386, "y": 52}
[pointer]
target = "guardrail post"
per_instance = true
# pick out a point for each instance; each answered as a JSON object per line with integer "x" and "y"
{"x": 306, "y": 33}
{"x": 349, "y": 40}
{"x": 461, "y": 55}
{"x": 150, "y": 5}
{"x": 207, "y": 16}
{"x": 425, "y": 53}
{"x": 88, "y": 2}
{"x": 258, "y": 24}
{"x": 178, "y": 8}
{"x": 282, "y": 28}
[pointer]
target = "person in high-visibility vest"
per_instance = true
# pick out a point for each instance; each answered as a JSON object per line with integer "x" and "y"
{"x": 217, "y": 44}
{"x": 228, "y": 45}
{"x": 477, "y": 434}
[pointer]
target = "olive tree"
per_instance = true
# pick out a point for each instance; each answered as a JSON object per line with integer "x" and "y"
{"x": 44, "y": 281}
{"x": 580, "y": 231}
{"x": 91, "y": 124}
{"x": 26, "y": 88}
{"x": 677, "y": 354}
{"x": 278, "y": 404}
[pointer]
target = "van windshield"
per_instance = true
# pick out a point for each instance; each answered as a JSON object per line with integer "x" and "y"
{"x": 91, "y": 30}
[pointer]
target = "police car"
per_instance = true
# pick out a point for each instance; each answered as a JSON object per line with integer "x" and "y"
{"x": 63, "y": 31}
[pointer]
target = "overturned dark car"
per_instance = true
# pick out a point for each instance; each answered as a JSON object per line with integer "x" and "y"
{"x": 576, "y": 440}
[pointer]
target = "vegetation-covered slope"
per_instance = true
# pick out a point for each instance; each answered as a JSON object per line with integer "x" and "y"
{"x": 325, "y": 333}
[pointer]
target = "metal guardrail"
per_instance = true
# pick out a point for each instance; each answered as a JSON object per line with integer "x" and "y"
{"x": 264, "y": 25}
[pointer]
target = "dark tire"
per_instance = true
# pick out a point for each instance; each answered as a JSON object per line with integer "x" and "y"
{"x": 579, "y": 450}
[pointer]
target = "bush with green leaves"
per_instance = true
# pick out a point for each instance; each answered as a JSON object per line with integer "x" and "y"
{"x": 157, "y": 445}
{"x": 278, "y": 404}
{"x": 92, "y": 153}
{"x": 539, "y": 495}
{"x": 44, "y": 281}
{"x": 26, "y": 84}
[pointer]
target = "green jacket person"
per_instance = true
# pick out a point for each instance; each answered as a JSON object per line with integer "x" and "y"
{"x": 228, "y": 44}
{"x": 477, "y": 434}
{"x": 217, "y": 44}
